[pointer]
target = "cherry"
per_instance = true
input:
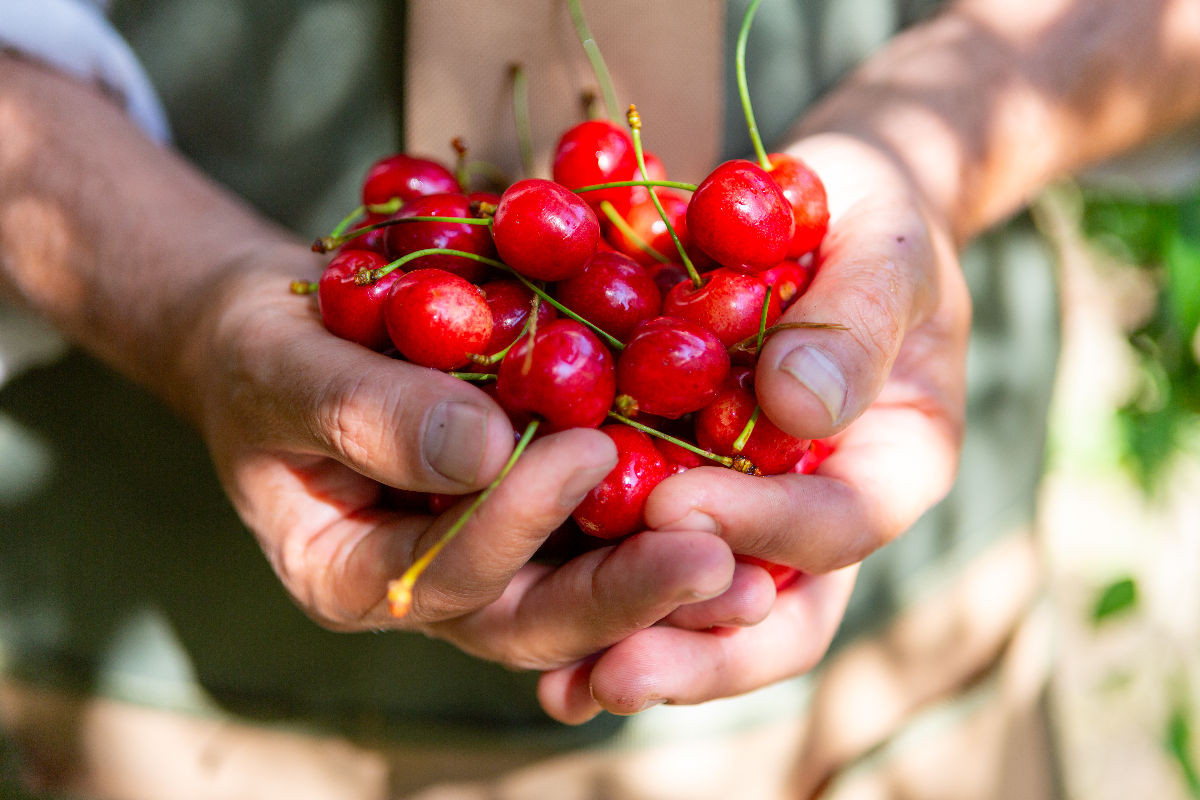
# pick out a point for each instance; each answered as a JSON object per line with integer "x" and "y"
{"x": 739, "y": 216}
{"x": 373, "y": 240}
{"x": 437, "y": 319}
{"x": 720, "y": 423}
{"x": 805, "y": 194}
{"x": 729, "y": 304}
{"x": 562, "y": 373}
{"x": 613, "y": 293}
{"x": 614, "y": 507}
{"x": 510, "y": 303}
{"x": 406, "y": 177}
{"x": 648, "y": 225}
{"x": 670, "y": 367}
{"x": 594, "y": 152}
{"x": 409, "y": 237}
{"x": 788, "y": 279}
{"x": 351, "y": 307}
{"x": 544, "y": 231}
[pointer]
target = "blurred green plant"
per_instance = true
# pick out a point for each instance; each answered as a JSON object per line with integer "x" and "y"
{"x": 1161, "y": 419}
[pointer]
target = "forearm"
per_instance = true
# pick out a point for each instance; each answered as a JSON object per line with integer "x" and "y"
{"x": 114, "y": 239}
{"x": 984, "y": 104}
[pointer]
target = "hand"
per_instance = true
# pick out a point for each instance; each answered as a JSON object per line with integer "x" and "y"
{"x": 307, "y": 432}
{"x": 889, "y": 391}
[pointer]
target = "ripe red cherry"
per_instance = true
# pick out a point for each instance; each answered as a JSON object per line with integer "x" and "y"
{"x": 592, "y": 152}
{"x": 740, "y": 217}
{"x": 510, "y": 303}
{"x": 375, "y": 240}
{"x": 544, "y": 231}
{"x": 671, "y": 367}
{"x": 437, "y": 319}
{"x": 720, "y": 423}
{"x": 729, "y": 304}
{"x": 613, "y": 292}
{"x": 350, "y": 309}
{"x": 788, "y": 279}
{"x": 568, "y": 380}
{"x": 615, "y": 506}
{"x": 805, "y": 194}
{"x": 406, "y": 177}
{"x": 409, "y": 237}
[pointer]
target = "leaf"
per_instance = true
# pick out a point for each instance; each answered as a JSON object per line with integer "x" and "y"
{"x": 1179, "y": 745}
{"x": 1117, "y": 597}
{"x": 1182, "y": 261}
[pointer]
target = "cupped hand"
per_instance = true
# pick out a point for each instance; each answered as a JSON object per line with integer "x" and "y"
{"x": 888, "y": 391}
{"x": 311, "y": 435}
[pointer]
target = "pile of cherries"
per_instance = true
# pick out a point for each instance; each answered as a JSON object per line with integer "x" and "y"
{"x": 637, "y": 307}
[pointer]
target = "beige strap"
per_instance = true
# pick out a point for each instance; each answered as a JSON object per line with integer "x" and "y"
{"x": 665, "y": 56}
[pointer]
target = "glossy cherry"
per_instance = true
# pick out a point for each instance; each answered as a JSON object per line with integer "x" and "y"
{"x": 615, "y": 506}
{"x": 351, "y": 307}
{"x": 544, "y": 231}
{"x": 594, "y": 152}
{"x": 670, "y": 367}
{"x": 788, "y": 279}
{"x": 613, "y": 292}
{"x": 406, "y": 177}
{"x": 729, "y": 304}
{"x": 719, "y": 424}
{"x": 805, "y": 194}
{"x": 740, "y": 217}
{"x": 563, "y": 374}
{"x": 437, "y": 319}
{"x": 409, "y": 237}
{"x": 510, "y": 303}
{"x": 645, "y": 221}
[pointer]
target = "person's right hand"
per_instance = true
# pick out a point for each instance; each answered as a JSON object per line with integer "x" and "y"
{"x": 307, "y": 430}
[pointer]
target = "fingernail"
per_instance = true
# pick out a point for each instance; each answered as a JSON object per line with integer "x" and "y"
{"x": 455, "y": 437}
{"x": 658, "y": 701}
{"x": 576, "y": 487}
{"x": 692, "y": 521}
{"x": 818, "y": 373}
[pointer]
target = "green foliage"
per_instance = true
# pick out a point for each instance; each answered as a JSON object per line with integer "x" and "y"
{"x": 1179, "y": 745}
{"x": 1118, "y": 596}
{"x": 1162, "y": 238}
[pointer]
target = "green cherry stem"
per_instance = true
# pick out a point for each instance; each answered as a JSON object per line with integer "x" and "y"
{"x": 619, "y": 222}
{"x": 753, "y": 343}
{"x": 635, "y": 128}
{"x": 687, "y": 187}
{"x": 520, "y": 90}
{"x": 334, "y": 241}
{"x": 724, "y": 461}
{"x": 477, "y": 377}
{"x": 744, "y": 89}
{"x": 399, "y": 594}
{"x": 303, "y": 287}
{"x": 740, "y": 442}
{"x": 603, "y": 78}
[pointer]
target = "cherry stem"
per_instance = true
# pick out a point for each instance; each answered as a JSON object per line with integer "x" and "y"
{"x": 635, "y": 127}
{"x": 687, "y": 187}
{"x": 740, "y": 442}
{"x": 762, "y": 319}
{"x": 520, "y": 88}
{"x": 744, "y": 89}
{"x": 622, "y": 225}
{"x": 375, "y": 274}
{"x": 599, "y": 68}
{"x": 399, "y": 592}
{"x": 755, "y": 341}
{"x": 460, "y": 160}
{"x": 335, "y": 240}
{"x": 724, "y": 461}
{"x": 530, "y": 328}
{"x": 481, "y": 377}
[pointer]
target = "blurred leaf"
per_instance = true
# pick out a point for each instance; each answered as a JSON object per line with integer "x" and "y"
{"x": 1119, "y": 596}
{"x": 1182, "y": 260}
{"x": 1179, "y": 745}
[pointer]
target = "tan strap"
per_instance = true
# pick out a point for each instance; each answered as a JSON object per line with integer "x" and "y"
{"x": 665, "y": 56}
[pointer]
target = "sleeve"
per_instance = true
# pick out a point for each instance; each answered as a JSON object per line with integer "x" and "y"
{"x": 74, "y": 36}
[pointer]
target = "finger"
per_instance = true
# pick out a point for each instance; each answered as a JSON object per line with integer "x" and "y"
{"x": 666, "y": 664}
{"x": 565, "y": 693}
{"x": 747, "y": 601}
{"x": 886, "y": 470}
{"x": 551, "y": 617}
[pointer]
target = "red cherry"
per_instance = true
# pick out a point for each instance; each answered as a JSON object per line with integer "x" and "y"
{"x": 666, "y": 276}
{"x": 544, "y": 231}
{"x": 437, "y": 319}
{"x": 720, "y": 423}
{"x": 406, "y": 177}
{"x": 817, "y": 452}
{"x": 729, "y": 304}
{"x": 615, "y": 506}
{"x": 568, "y": 380}
{"x": 510, "y": 303}
{"x": 671, "y": 367}
{"x": 409, "y": 237}
{"x": 375, "y": 241}
{"x": 655, "y": 171}
{"x": 643, "y": 218}
{"x": 740, "y": 217}
{"x": 592, "y": 152}
{"x": 788, "y": 280}
{"x": 353, "y": 310}
{"x": 613, "y": 293}
{"x": 805, "y": 194}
